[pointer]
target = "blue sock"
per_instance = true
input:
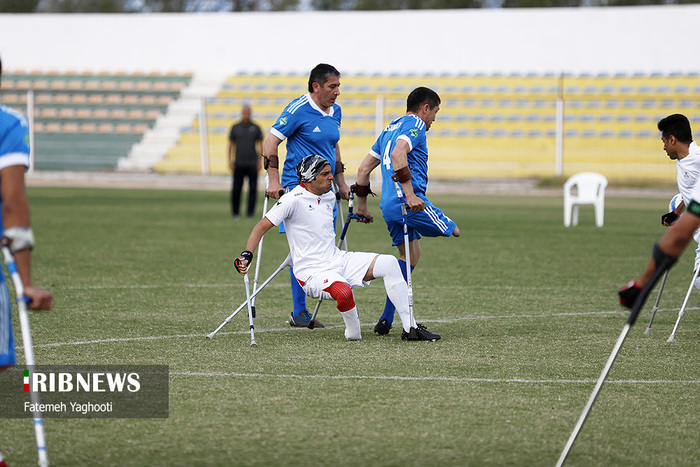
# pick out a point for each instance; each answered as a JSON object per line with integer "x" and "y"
{"x": 298, "y": 295}
{"x": 389, "y": 307}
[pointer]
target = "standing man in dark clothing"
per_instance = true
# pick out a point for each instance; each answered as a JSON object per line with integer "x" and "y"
{"x": 244, "y": 150}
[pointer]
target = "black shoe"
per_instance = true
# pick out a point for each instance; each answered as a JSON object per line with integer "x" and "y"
{"x": 382, "y": 327}
{"x": 302, "y": 320}
{"x": 419, "y": 333}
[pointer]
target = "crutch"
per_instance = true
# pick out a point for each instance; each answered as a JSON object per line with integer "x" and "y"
{"x": 407, "y": 247}
{"x": 656, "y": 305}
{"x": 287, "y": 262}
{"x": 260, "y": 245}
{"x": 339, "y": 207}
{"x": 346, "y": 224}
{"x": 685, "y": 302}
{"x": 251, "y": 312}
{"x": 664, "y": 265}
{"x": 28, "y": 353}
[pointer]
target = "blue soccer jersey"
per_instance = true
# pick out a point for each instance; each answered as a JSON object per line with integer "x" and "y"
{"x": 14, "y": 141}
{"x": 14, "y": 150}
{"x": 308, "y": 130}
{"x": 411, "y": 129}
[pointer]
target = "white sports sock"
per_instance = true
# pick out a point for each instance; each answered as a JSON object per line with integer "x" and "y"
{"x": 387, "y": 267}
{"x": 352, "y": 324}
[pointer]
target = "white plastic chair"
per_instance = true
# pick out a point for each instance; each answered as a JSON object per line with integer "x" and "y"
{"x": 590, "y": 189}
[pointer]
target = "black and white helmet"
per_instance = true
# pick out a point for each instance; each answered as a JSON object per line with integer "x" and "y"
{"x": 310, "y": 167}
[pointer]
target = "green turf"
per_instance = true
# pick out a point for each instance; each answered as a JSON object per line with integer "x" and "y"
{"x": 527, "y": 310}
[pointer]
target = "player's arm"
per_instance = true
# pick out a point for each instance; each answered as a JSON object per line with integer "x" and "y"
{"x": 399, "y": 157}
{"x": 362, "y": 189}
{"x": 670, "y": 247}
{"x": 270, "y": 153}
{"x": 18, "y": 232}
{"x": 243, "y": 261}
{"x": 674, "y": 241}
{"x": 339, "y": 176}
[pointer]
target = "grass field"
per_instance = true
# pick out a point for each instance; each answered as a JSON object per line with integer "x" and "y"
{"x": 527, "y": 311}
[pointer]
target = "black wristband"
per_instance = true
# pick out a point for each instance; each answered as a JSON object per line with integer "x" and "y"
{"x": 693, "y": 207}
{"x": 362, "y": 190}
{"x": 402, "y": 175}
{"x": 271, "y": 161}
{"x": 662, "y": 259}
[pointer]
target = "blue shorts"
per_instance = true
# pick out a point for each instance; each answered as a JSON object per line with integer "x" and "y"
{"x": 431, "y": 222}
{"x": 7, "y": 342}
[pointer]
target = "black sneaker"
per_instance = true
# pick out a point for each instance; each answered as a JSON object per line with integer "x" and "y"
{"x": 382, "y": 327}
{"x": 419, "y": 333}
{"x": 302, "y": 320}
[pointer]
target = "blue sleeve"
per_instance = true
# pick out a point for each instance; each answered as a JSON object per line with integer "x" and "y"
{"x": 15, "y": 140}
{"x": 287, "y": 123}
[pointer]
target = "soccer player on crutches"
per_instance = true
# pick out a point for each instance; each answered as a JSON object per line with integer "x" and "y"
{"x": 323, "y": 269}
{"x": 17, "y": 244}
{"x": 402, "y": 152}
{"x": 310, "y": 124}
{"x": 677, "y": 137}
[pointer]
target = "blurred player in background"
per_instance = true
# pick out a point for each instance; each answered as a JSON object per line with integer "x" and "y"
{"x": 311, "y": 125}
{"x": 322, "y": 268}
{"x": 402, "y": 152}
{"x": 15, "y": 223}
{"x": 677, "y": 137}
{"x": 244, "y": 150}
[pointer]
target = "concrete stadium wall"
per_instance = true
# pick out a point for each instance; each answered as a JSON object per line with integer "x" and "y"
{"x": 574, "y": 40}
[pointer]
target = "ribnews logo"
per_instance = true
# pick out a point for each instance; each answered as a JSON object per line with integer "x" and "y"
{"x": 121, "y": 391}
{"x": 86, "y": 382}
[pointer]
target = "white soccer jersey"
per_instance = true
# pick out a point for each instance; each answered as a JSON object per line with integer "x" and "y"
{"x": 308, "y": 221}
{"x": 688, "y": 172}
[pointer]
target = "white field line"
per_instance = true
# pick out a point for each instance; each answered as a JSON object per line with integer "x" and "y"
{"x": 373, "y": 377}
{"x": 289, "y": 329}
{"x": 428, "y": 378}
{"x": 286, "y": 284}
{"x": 286, "y": 329}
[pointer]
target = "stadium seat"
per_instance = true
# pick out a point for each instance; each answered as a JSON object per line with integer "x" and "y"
{"x": 584, "y": 188}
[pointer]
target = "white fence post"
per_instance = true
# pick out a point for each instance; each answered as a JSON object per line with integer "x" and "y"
{"x": 30, "y": 120}
{"x": 203, "y": 143}
{"x": 559, "y": 141}
{"x": 559, "y": 165}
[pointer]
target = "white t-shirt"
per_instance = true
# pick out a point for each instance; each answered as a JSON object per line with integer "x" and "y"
{"x": 308, "y": 221}
{"x": 688, "y": 172}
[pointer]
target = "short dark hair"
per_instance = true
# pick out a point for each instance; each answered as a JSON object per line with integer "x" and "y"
{"x": 321, "y": 73}
{"x": 420, "y": 96}
{"x": 676, "y": 125}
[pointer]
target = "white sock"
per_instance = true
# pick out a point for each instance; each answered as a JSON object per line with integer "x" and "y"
{"x": 352, "y": 324}
{"x": 387, "y": 267}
